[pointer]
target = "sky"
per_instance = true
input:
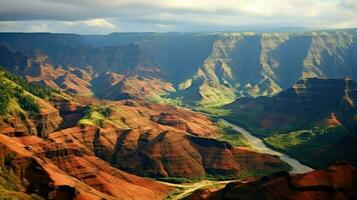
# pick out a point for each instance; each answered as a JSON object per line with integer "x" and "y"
{"x": 106, "y": 16}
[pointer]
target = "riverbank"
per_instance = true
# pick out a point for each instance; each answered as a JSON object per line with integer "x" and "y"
{"x": 257, "y": 144}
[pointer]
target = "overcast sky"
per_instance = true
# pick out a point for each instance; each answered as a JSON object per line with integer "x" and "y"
{"x": 105, "y": 16}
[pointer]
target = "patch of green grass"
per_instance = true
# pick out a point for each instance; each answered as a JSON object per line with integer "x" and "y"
{"x": 176, "y": 192}
{"x": 165, "y": 100}
{"x": 245, "y": 174}
{"x": 179, "y": 179}
{"x": 100, "y": 114}
{"x": 215, "y": 95}
{"x": 97, "y": 115}
{"x": 213, "y": 110}
{"x": 230, "y": 135}
{"x": 303, "y": 144}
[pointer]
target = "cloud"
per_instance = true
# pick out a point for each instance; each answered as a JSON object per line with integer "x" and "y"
{"x": 174, "y": 15}
{"x": 100, "y": 23}
{"x": 39, "y": 28}
{"x": 91, "y": 23}
{"x": 91, "y": 26}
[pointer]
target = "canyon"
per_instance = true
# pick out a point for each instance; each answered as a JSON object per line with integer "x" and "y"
{"x": 178, "y": 115}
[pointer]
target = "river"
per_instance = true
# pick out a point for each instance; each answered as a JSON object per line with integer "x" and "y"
{"x": 257, "y": 144}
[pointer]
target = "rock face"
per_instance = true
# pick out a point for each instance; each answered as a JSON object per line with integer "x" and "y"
{"x": 338, "y": 181}
{"x": 209, "y": 68}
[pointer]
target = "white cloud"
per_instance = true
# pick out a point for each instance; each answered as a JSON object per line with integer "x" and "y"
{"x": 94, "y": 23}
{"x": 100, "y": 23}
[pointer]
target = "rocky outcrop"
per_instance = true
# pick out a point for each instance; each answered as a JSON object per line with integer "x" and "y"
{"x": 116, "y": 87}
{"x": 338, "y": 181}
{"x": 45, "y": 122}
{"x": 29, "y": 175}
{"x": 57, "y": 170}
{"x": 49, "y": 119}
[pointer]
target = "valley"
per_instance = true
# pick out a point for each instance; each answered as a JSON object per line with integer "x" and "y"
{"x": 176, "y": 115}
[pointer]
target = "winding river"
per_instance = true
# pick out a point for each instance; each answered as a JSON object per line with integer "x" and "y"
{"x": 257, "y": 144}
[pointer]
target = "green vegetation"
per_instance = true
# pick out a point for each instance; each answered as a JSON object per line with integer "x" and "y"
{"x": 14, "y": 98}
{"x": 17, "y": 95}
{"x": 41, "y": 91}
{"x": 216, "y": 96}
{"x": 179, "y": 179}
{"x": 176, "y": 192}
{"x": 12, "y": 195}
{"x": 303, "y": 144}
{"x": 4, "y": 97}
{"x": 165, "y": 100}
{"x": 213, "y": 110}
{"x": 222, "y": 177}
{"x": 9, "y": 184}
{"x": 7, "y": 179}
{"x": 98, "y": 115}
{"x": 245, "y": 174}
{"x": 230, "y": 135}
{"x": 27, "y": 103}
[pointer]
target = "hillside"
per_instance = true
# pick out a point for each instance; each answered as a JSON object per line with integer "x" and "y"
{"x": 26, "y": 107}
{"x": 337, "y": 181}
{"x": 314, "y": 120}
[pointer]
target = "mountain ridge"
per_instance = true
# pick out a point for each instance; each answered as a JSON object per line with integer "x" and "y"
{"x": 231, "y": 65}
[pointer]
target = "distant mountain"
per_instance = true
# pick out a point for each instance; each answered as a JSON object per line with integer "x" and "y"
{"x": 205, "y": 68}
{"x": 315, "y": 120}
